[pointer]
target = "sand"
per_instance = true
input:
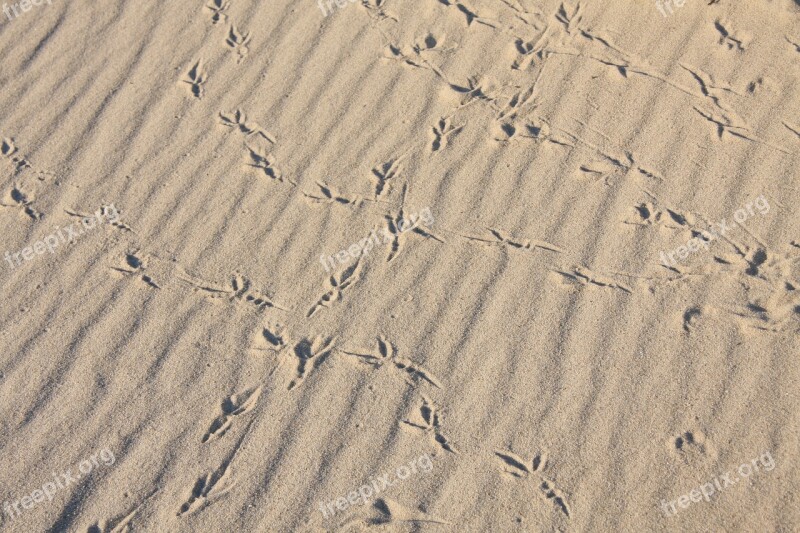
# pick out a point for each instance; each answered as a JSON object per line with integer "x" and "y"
{"x": 455, "y": 265}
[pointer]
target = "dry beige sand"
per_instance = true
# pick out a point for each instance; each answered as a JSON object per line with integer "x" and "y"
{"x": 430, "y": 265}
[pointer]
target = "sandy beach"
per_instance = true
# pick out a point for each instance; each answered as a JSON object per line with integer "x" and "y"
{"x": 380, "y": 265}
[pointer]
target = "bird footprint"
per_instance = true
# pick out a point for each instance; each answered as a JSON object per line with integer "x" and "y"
{"x": 238, "y": 121}
{"x": 310, "y": 355}
{"x": 429, "y": 422}
{"x": 265, "y": 162}
{"x": 196, "y": 79}
{"x": 518, "y": 467}
{"x": 387, "y": 356}
{"x": 442, "y": 132}
{"x": 217, "y": 8}
{"x": 238, "y": 42}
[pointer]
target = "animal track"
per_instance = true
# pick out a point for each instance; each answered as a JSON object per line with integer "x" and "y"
{"x": 690, "y": 318}
{"x": 442, "y": 132}
{"x": 376, "y": 10}
{"x": 275, "y": 341}
{"x": 735, "y": 126}
{"x": 759, "y": 84}
{"x": 529, "y": 51}
{"x": 760, "y": 317}
{"x": 385, "y": 172}
{"x": 338, "y": 284}
{"x": 773, "y": 300}
{"x": 134, "y": 266}
{"x": 779, "y": 309}
{"x": 793, "y": 129}
{"x": 691, "y": 445}
{"x": 621, "y": 163}
{"x": 618, "y": 165}
{"x": 518, "y": 467}
{"x": 238, "y": 121}
{"x": 428, "y": 43}
{"x": 392, "y": 512}
{"x": 478, "y": 90}
{"x": 557, "y": 37}
{"x": 570, "y": 18}
{"x": 232, "y": 407}
{"x": 17, "y": 198}
{"x": 213, "y": 485}
{"x": 614, "y": 56}
{"x": 207, "y": 489}
{"x": 105, "y": 211}
{"x": 399, "y": 228}
{"x": 648, "y": 215}
{"x": 310, "y": 355}
{"x": 710, "y": 88}
{"x": 238, "y": 291}
{"x": 217, "y": 9}
{"x": 196, "y": 79}
{"x": 260, "y": 159}
{"x": 539, "y": 130}
{"x": 728, "y": 38}
{"x": 502, "y": 239}
{"x": 599, "y": 171}
{"x": 521, "y": 12}
{"x": 414, "y": 55}
{"x": 386, "y": 356}
{"x": 516, "y": 103}
{"x": 329, "y": 195}
{"x": 406, "y": 56}
{"x": 506, "y": 125}
{"x": 584, "y": 276}
{"x": 238, "y": 41}
{"x": 731, "y": 125}
{"x": 9, "y": 150}
{"x": 429, "y": 422}
{"x": 469, "y": 13}
{"x": 121, "y": 525}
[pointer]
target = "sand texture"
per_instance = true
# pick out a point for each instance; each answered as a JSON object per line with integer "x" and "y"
{"x": 402, "y": 266}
